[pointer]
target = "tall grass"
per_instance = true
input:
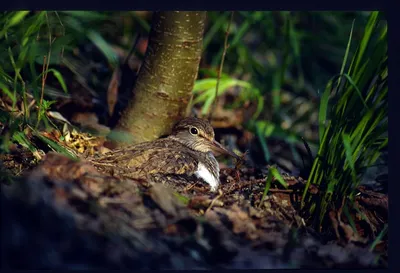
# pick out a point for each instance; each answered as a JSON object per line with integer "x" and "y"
{"x": 353, "y": 123}
{"x": 286, "y": 56}
{"x": 37, "y": 44}
{"x": 26, "y": 41}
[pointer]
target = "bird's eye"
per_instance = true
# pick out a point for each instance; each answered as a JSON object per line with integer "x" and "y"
{"x": 194, "y": 131}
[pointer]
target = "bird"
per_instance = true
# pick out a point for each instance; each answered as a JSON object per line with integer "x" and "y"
{"x": 187, "y": 154}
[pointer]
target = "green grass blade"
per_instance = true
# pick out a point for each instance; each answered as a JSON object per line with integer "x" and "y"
{"x": 185, "y": 200}
{"x": 16, "y": 18}
{"x": 143, "y": 23}
{"x": 272, "y": 173}
{"x": 57, "y": 75}
{"x": 103, "y": 46}
{"x": 267, "y": 186}
{"x": 346, "y": 54}
{"x": 21, "y": 138}
{"x": 260, "y": 134}
{"x": 60, "y": 79}
{"x": 357, "y": 90}
{"x": 348, "y": 150}
{"x": 7, "y": 91}
{"x": 323, "y": 111}
{"x": 213, "y": 30}
{"x": 379, "y": 237}
{"x": 278, "y": 177}
{"x": 372, "y": 21}
{"x": 55, "y": 146}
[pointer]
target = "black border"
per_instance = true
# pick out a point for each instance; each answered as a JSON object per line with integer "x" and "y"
{"x": 394, "y": 136}
{"x": 394, "y": 62}
{"x": 195, "y": 5}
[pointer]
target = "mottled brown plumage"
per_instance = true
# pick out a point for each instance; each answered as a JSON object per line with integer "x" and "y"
{"x": 184, "y": 155}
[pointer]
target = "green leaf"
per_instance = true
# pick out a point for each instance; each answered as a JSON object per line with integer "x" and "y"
{"x": 272, "y": 173}
{"x": 57, "y": 75}
{"x": 59, "y": 78}
{"x": 16, "y": 18}
{"x": 206, "y": 84}
{"x": 267, "y": 187}
{"x": 348, "y": 150}
{"x": 7, "y": 91}
{"x": 103, "y": 46}
{"x": 357, "y": 90}
{"x": 260, "y": 132}
{"x": 278, "y": 176}
{"x": 21, "y": 139}
{"x": 239, "y": 34}
{"x": 323, "y": 111}
{"x": 207, "y": 89}
{"x": 364, "y": 41}
{"x": 213, "y": 30}
{"x": 207, "y": 105}
{"x": 185, "y": 200}
{"x": 55, "y": 146}
{"x": 201, "y": 85}
{"x": 379, "y": 237}
{"x": 87, "y": 15}
{"x": 350, "y": 219}
{"x": 142, "y": 22}
{"x": 346, "y": 54}
{"x": 19, "y": 15}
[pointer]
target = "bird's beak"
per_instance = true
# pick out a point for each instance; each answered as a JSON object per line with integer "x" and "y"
{"x": 219, "y": 149}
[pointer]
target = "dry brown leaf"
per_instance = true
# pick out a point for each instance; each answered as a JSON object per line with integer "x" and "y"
{"x": 112, "y": 92}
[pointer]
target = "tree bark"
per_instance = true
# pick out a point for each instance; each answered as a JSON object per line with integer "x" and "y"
{"x": 164, "y": 85}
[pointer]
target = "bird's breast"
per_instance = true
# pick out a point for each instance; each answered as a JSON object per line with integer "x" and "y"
{"x": 208, "y": 170}
{"x": 203, "y": 173}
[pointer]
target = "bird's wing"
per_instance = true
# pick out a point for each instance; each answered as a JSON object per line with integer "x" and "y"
{"x": 160, "y": 157}
{"x": 163, "y": 161}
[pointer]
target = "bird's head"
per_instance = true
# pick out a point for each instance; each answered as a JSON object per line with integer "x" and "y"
{"x": 198, "y": 135}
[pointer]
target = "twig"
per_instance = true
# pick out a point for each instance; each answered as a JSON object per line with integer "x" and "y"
{"x": 280, "y": 190}
{"x": 190, "y": 186}
{"x": 63, "y": 33}
{"x": 221, "y": 66}
{"x": 220, "y": 193}
{"x": 45, "y": 69}
{"x": 42, "y": 91}
{"x": 309, "y": 153}
{"x": 133, "y": 48}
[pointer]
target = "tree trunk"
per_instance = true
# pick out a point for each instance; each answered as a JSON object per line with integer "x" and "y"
{"x": 164, "y": 85}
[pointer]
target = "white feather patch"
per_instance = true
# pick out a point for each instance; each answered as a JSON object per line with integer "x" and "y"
{"x": 203, "y": 173}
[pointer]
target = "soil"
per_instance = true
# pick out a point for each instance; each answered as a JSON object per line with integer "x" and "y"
{"x": 64, "y": 213}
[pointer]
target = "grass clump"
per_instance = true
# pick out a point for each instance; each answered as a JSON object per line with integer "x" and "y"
{"x": 352, "y": 123}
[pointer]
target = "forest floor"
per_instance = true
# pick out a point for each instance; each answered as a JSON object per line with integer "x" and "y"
{"x": 65, "y": 213}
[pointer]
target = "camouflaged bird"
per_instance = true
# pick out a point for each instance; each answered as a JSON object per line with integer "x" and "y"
{"x": 184, "y": 155}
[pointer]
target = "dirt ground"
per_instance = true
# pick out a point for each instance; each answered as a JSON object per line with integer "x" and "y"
{"x": 65, "y": 213}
